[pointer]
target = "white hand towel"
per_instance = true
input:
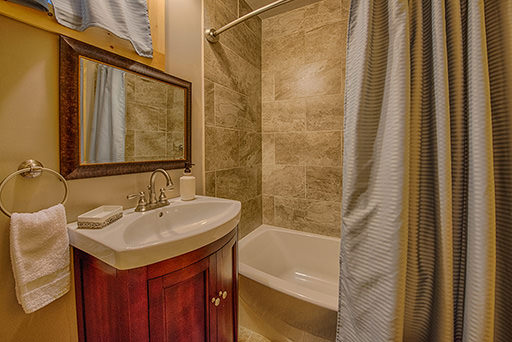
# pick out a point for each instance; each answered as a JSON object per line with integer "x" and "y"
{"x": 40, "y": 256}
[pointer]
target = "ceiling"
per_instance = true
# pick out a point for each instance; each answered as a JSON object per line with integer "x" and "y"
{"x": 255, "y": 4}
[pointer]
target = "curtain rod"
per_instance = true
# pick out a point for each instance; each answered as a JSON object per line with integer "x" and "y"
{"x": 212, "y": 35}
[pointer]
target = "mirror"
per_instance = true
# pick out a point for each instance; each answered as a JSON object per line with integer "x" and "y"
{"x": 119, "y": 116}
{"x": 125, "y": 117}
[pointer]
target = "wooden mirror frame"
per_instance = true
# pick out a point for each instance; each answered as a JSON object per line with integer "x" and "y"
{"x": 69, "y": 111}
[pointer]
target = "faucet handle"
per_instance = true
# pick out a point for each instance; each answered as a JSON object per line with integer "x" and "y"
{"x": 163, "y": 198}
{"x": 141, "y": 205}
{"x": 141, "y": 196}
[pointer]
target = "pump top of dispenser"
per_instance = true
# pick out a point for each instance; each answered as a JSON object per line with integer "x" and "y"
{"x": 187, "y": 170}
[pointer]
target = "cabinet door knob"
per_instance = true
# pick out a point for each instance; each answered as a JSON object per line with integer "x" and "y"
{"x": 224, "y": 294}
{"x": 217, "y": 301}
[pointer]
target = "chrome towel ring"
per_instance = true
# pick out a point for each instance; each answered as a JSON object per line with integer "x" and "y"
{"x": 31, "y": 169}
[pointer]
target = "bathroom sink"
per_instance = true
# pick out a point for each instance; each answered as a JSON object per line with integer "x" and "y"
{"x": 142, "y": 238}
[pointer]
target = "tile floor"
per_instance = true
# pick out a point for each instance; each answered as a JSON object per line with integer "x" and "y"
{"x": 247, "y": 335}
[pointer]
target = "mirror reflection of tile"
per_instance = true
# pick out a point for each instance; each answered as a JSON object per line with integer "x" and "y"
{"x": 153, "y": 119}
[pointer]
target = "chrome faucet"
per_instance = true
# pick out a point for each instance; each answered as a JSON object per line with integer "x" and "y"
{"x": 152, "y": 193}
{"x": 153, "y": 203}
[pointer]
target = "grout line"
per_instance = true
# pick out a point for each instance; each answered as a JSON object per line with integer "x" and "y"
{"x": 301, "y": 98}
{"x": 223, "y": 86}
{"x": 299, "y": 198}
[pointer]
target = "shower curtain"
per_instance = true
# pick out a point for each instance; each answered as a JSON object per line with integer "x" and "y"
{"x": 426, "y": 249}
{"x": 108, "y": 122}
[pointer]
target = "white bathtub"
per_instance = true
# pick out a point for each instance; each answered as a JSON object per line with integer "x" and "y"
{"x": 289, "y": 284}
{"x": 302, "y": 265}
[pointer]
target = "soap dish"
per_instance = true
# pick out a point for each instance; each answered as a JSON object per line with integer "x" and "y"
{"x": 100, "y": 217}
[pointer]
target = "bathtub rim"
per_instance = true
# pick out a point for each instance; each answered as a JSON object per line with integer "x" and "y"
{"x": 314, "y": 297}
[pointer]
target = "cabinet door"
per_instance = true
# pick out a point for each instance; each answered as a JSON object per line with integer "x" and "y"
{"x": 227, "y": 285}
{"x": 179, "y": 303}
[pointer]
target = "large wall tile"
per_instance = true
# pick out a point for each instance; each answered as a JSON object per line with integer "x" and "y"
{"x": 254, "y": 23}
{"x": 290, "y": 148}
{"x": 209, "y": 103}
{"x": 222, "y": 148}
{"x": 308, "y": 148}
{"x": 231, "y": 5}
{"x": 320, "y": 217}
{"x": 282, "y": 51}
{"x": 243, "y": 41}
{"x": 283, "y": 116}
{"x": 323, "y": 149}
{"x": 239, "y": 184}
{"x": 323, "y": 183}
{"x": 250, "y": 148}
{"x": 210, "y": 183}
{"x": 268, "y": 209}
{"x": 268, "y": 146}
{"x": 284, "y": 180}
{"x": 251, "y": 217}
{"x": 317, "y": 78}
{"x": 322, "y": 78}
{"x": 322, "y": 13}
{"x": 324, "y": 42}
{"x": 225, "y": 67}
{"x": 252, "y": 120}
{"x": 284, "y": 24}
{"x": 267, "y": 86}
{"x": 230, "y": 107}
{"x": 324, "y": 113}
{"x": 209, "y": 14}
{"x": 259, "y": 179}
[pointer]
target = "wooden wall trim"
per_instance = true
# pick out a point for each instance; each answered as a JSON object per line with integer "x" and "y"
{"x": 96, "y": 36}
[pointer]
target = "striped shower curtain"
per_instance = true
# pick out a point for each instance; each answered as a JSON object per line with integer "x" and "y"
{"x": 426, "y": 249}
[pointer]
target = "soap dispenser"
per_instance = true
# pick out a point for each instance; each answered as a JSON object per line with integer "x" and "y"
{"x": 187, "y": 184}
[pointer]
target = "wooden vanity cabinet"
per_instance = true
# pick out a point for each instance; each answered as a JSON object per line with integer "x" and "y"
{"x": 192, "y": 297}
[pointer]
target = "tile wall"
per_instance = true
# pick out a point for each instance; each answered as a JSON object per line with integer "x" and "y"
{"x": 232, "y": 71}
{"x": 303, "y": 54}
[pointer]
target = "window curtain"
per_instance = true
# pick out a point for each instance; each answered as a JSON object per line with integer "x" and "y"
{"x": 108, "y": 123}
{"x": 426, "y": 251}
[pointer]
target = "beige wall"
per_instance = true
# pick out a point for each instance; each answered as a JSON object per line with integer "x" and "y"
{"x": 95, "y": 35}
{"x": 29, "y": 129}
{"x": 184, "y": 59}
{"x": 232, "y": 71}
{"x": 303, "y": 54}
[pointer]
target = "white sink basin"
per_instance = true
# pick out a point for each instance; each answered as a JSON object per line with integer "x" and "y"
{"x": 140, "y": 239}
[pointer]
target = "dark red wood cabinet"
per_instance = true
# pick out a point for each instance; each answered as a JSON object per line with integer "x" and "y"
{"x": 189, "y": 298}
